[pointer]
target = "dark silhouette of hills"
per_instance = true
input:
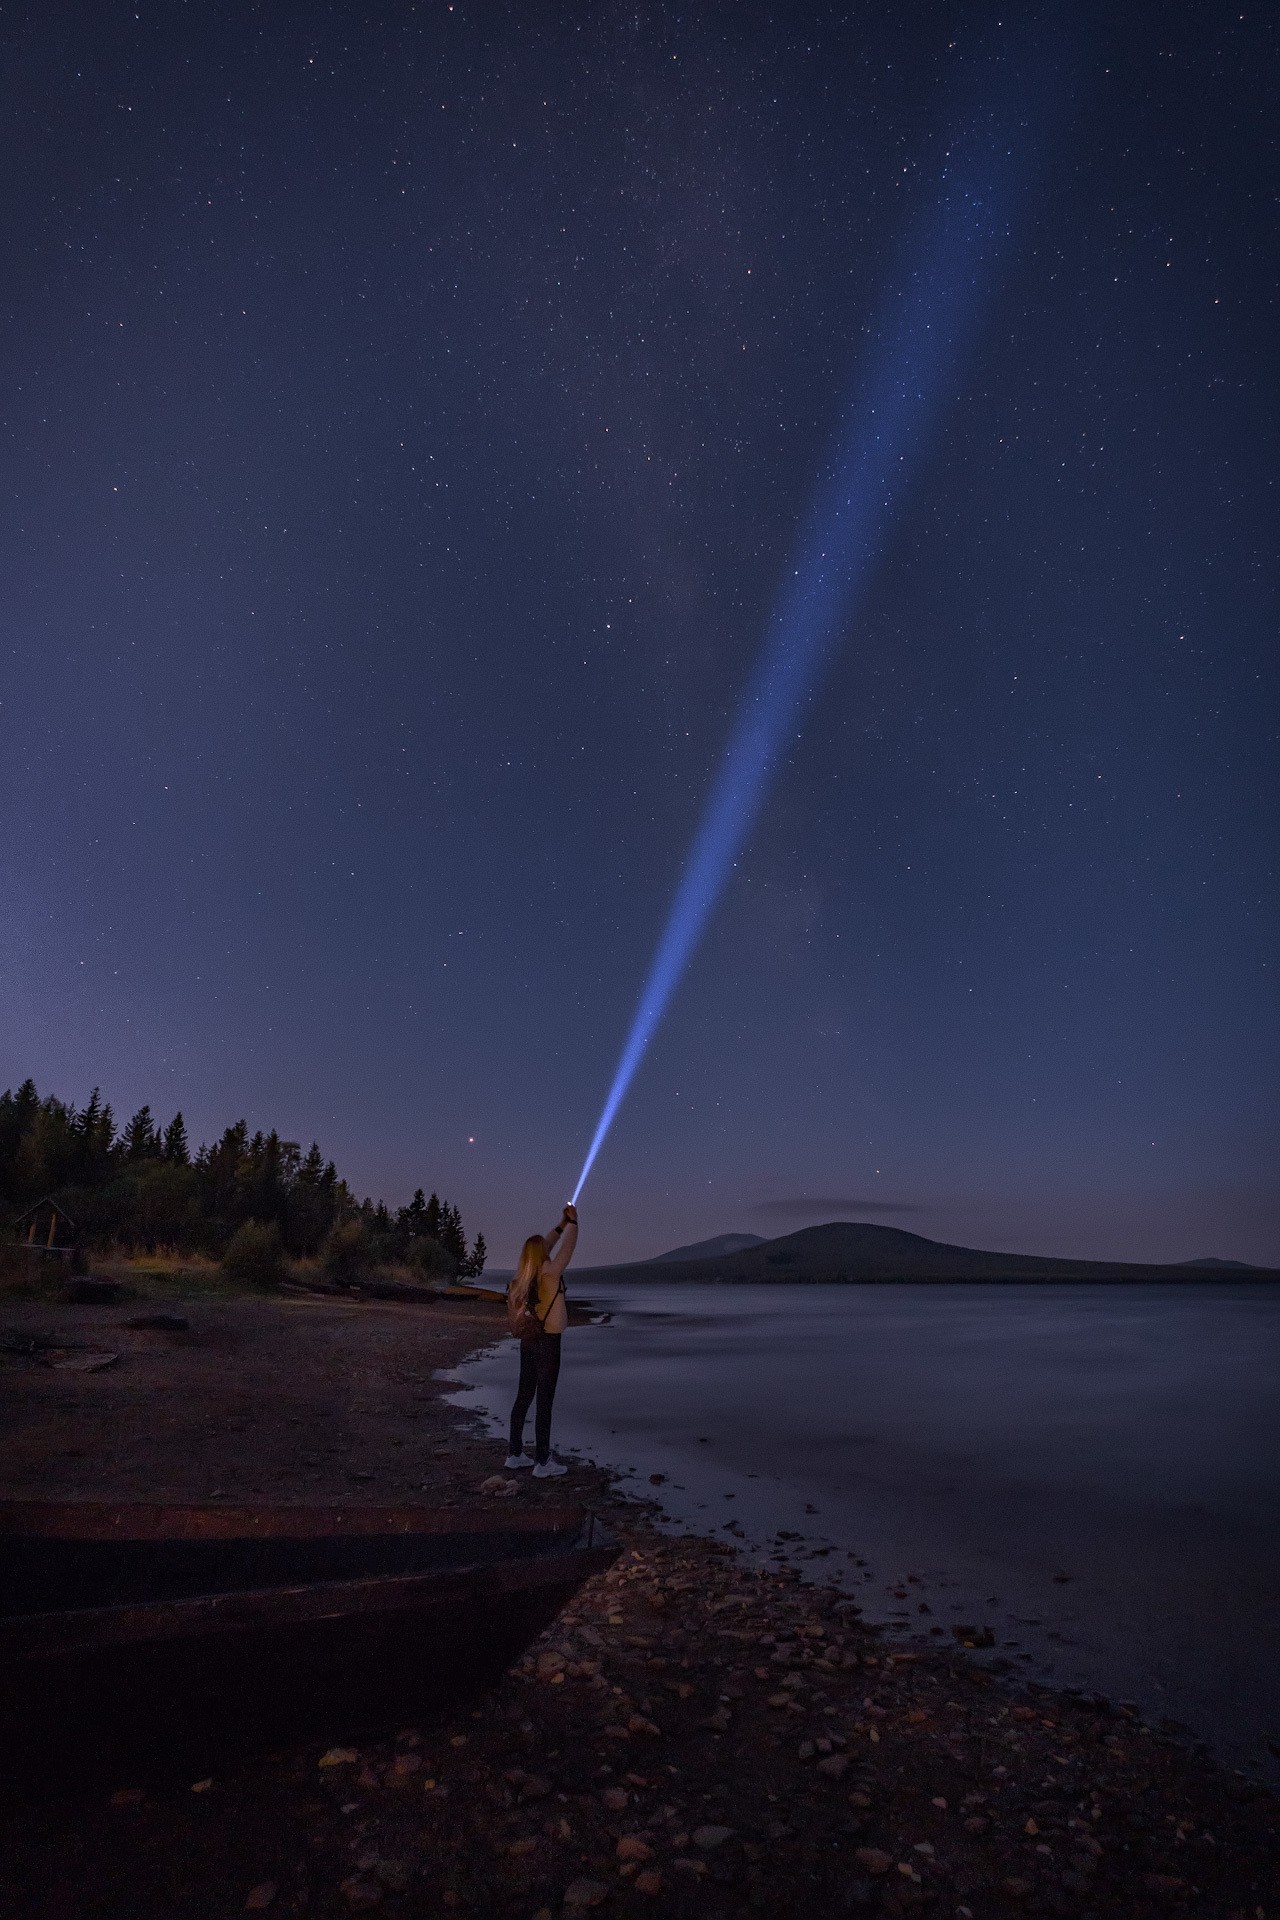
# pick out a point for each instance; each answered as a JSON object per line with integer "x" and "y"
{"x": 859, "y": 1251}
{"x": 710, "y": 1249}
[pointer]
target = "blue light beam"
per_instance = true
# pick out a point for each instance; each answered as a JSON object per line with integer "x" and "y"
{"x": 928, "y": 326}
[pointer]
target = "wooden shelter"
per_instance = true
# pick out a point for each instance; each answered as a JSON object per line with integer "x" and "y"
{"x": 46, "y": 1227}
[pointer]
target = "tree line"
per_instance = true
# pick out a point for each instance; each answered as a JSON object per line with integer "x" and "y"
{"x": 141, "y": 1187}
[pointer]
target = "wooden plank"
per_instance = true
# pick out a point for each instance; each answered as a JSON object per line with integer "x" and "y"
{"x": 144, "y": 1520}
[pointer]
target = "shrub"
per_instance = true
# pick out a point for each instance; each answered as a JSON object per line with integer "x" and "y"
{"x": 428, "y": 1258}
{"x": 346, "y": 1252}
{"x": 253, "y": 1255}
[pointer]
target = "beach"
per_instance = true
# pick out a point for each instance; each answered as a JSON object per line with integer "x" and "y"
{"x": 699, "y": 1733}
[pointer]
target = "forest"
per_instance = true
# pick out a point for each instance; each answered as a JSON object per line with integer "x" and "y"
{"x": 141, "y": 1187}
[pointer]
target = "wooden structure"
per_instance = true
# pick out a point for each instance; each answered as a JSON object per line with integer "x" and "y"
{"x": 164, "y": 1637}
{"x": 46, "y": 1227}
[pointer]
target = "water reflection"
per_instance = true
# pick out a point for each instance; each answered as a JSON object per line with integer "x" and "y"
{"x": 1090, "y": 1475}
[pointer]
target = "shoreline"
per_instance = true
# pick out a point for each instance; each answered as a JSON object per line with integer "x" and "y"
{"x": 694, "y": 1735}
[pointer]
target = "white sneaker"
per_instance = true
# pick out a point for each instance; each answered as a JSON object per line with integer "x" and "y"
{"x": 549, "y": 1470}
{"x": 514, "y": 1460}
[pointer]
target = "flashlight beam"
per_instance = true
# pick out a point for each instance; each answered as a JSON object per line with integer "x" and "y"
{"x": 929, "y": 324}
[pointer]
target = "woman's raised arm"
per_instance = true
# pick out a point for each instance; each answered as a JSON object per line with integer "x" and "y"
{"x": 567, "y": 1235}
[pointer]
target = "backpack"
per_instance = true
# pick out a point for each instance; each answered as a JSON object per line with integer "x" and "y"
{"x": 522, "y": 1311}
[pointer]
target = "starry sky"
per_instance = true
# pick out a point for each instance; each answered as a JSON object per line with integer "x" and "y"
{"x": 406, "y": 420}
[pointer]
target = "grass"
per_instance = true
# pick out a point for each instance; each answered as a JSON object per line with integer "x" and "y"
{"x": 165, "y": 1274}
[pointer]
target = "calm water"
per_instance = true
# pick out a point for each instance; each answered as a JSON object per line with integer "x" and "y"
{"x": 1092, "y": 1473}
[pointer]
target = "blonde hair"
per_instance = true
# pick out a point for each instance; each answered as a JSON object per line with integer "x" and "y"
{"x": 532, "y": 1256}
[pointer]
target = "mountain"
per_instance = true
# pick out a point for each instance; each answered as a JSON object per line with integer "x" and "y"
{"x": 710, "y": 1249}
{"x": 859, "y": 1251}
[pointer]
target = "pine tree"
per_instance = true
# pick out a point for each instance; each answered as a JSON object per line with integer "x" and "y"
{"x": 95, "y": 1128}
{"x": 139, "y": 1140}
{"x": 450, "y": 1235}
{"x": 479, "y": 1254}
{"x": 431, "y": 1218}
{"x": 176, "y": 1150}
{"x": 411, "y": 1219}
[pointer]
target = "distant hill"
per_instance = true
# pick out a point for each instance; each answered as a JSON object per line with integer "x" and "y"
{"x": 859, "y": 1251}
{"x": 710, "y": 1249}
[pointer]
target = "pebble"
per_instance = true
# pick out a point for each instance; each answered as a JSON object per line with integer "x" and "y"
{"x": 579, "y": 1895}
{"x": 874, "y": 1859}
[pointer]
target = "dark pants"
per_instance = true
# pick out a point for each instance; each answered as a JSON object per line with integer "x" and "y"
{"x": 539, "y": 1371}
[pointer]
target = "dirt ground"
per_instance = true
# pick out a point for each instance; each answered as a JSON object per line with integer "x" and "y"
{"x": 693, "y": 1737}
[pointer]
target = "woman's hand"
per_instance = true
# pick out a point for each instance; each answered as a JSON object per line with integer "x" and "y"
{"x": 570, "y": 1214}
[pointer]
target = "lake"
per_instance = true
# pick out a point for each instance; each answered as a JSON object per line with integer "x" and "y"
{"x": 1089, "y": 1474}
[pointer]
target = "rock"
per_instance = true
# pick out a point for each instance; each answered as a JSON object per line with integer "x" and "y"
{"x": 260, "y": 1896}
{"x": 579, "y": 1895}
{"x": 649, "y": 1882}
{"x": 88, "y": 1292}
{"x": 339, "y": 1757}
{"x": 632, "y": 1847}
{"x": 835, "y": 1766}
{"x": 1015, "y": 1887}
{"x": 534, "y": 1787}
{"x": 874, "y": 1859}
{"x": 128, "y": 1797}
{"x": 405, "y": 1763}
{"x": 498, "y": 1485}
{"x": 708, "y": 1838}
{"x": 361, "y": 1895}
{"x": 638, "y": 1724}
{"x": 615, "y": 1798}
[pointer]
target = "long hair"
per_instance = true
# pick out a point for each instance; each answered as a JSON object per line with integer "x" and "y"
{"x": 532, "y": 1256}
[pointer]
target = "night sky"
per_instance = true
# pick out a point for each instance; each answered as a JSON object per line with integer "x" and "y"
{"x": 407, "y": 416}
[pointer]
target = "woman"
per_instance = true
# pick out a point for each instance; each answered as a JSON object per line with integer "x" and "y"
{"x": 539, "y": 1280}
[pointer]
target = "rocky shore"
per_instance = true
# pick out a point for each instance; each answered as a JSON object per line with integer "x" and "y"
{"x": 694, "y": 1737}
